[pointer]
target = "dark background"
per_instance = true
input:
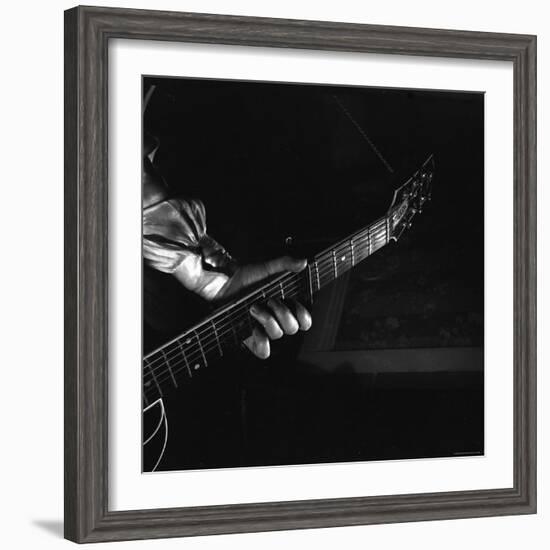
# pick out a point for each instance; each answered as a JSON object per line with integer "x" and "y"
{"x": 393, "y": 367}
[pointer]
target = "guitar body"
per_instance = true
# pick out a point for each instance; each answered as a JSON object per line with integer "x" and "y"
{"x": 155, "y": 435}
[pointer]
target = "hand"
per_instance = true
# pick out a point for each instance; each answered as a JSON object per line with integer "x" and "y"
{"x": 275, "y": 318}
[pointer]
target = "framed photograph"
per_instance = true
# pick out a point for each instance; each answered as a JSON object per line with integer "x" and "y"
{"x": 300, "y": 274}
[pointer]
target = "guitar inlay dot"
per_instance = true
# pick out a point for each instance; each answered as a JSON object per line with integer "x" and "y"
{"x": 188, "y": 341}
{"x": 343, "y": 258}
{"x": 197, "y": 366}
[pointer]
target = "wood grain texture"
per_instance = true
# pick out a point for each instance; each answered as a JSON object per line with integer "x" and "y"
{"x": 87, "y": 32}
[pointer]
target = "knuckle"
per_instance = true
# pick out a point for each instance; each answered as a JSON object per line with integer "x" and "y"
{"x": 264, "y": 318}
{"x": 276, "y": 306}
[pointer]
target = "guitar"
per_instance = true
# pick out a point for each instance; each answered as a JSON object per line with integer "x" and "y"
{"x": 177, "y": 361}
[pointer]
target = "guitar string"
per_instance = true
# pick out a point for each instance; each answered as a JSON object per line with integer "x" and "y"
{"x": 280, "y": 282}
{"x": 185, "y": 361}
{"x": 322, "y": 268}
{"x": 319, "y": 265}
{"x": 347, "y": 243}
{"x": 191, "y": 356}
{"x": 197, "y": 356}
{"x": 182, "y": 363}
{"x": 321, "y": 271}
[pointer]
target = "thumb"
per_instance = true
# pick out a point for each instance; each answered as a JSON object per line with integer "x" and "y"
{"x": 284, "y": 263}
{"x": 254, "y": 273}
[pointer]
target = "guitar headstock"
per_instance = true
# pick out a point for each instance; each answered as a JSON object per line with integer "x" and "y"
{"x": 409, "y": 199}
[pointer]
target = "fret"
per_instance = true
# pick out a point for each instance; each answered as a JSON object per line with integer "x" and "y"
{"x": 153, "y": 375}
{"x": 386, "y": 238}
{"x": 310, "y": 283}
{"x": 234, "y": 333}
{"x": 282, "y": 290}
{"x": 202, "y": 351}
{"x": 335, "y": 265}
{"x": 185, "y": 359}
{"x": 352, "y": 252}
{"x": 217, "y": 337}
{"x": 248, "y": 323}
{"x": 169, "y": 368}
{"x": 318, "y": 279}
{"x": 375, "y": 244}
{"x": 369, "y": 242}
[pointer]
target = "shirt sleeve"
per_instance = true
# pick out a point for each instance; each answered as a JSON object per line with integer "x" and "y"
{"x": 175, "y": 236}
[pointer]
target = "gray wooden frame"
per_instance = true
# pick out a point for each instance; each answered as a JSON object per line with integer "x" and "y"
{"x": 87, "y": 34}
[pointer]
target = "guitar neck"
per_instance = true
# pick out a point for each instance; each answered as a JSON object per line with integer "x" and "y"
{"x": 177, "y": 360}
{"x": 347, "y": 253}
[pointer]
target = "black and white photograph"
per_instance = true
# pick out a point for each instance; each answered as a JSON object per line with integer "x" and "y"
{"x": 299, "y": 277}
{"x": 313, "y": 274}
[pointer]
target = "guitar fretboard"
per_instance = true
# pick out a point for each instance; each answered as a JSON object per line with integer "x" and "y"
{"x": 178, "y": 360}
